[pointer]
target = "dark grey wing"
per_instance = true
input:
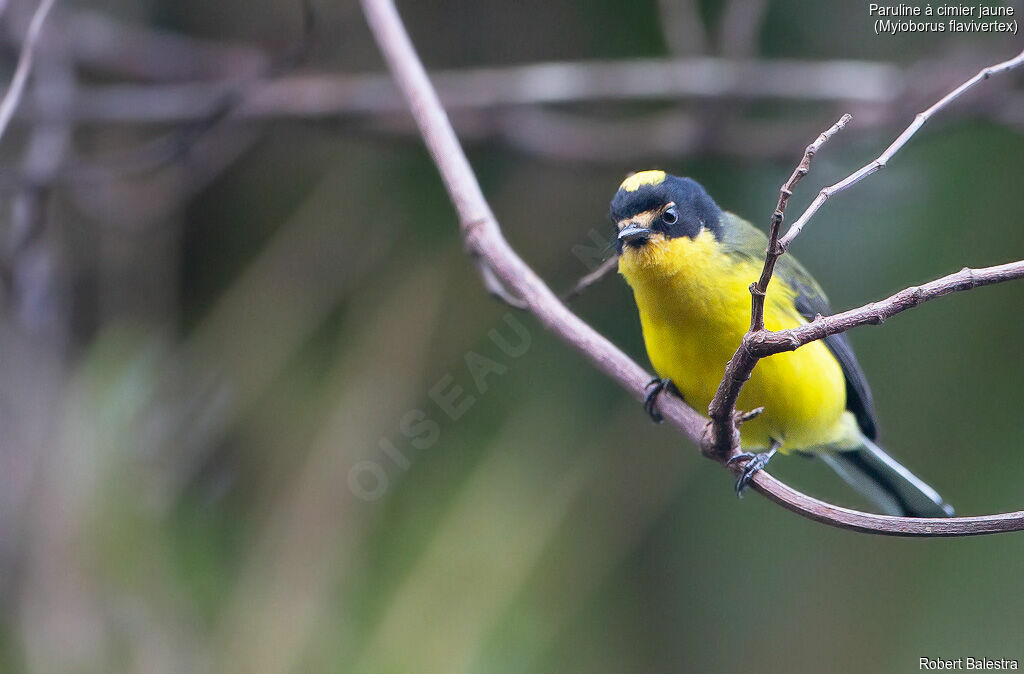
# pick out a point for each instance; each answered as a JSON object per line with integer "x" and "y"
{"x": 810, "y": 302}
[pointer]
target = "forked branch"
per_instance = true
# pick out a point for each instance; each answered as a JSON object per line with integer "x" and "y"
{"x": 722, "y": 438}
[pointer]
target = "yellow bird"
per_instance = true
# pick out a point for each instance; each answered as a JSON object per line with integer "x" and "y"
{"x": 690, "y": 266}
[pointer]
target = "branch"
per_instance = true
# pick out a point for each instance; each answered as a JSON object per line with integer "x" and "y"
{"x": 760, "y": 289}
{"x": 30, "y": 258}
{"x": 883, "y": 159}
{"x": 546, "y": 83}
{"x": 723, "y": 438}
{"x": 28, "y": 51}
{"x": 483, "y": 237}
{"x": 480, "y": 229}
{"x": 768, "y": 343}
{"x": 723, "y": 434}
{"x": 757, "y": 344}
{"x": 605, "y": 268}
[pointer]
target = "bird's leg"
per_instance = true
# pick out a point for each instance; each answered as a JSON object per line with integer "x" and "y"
{"x": 653, "y": 388}
{"x": 754, "y": 463}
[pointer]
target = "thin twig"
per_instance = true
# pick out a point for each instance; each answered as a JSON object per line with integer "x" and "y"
{"x": 759, "y": 290}
{"x": 25, "y": 59}
{"x": 883, "y": 159}
{"x": 484, "y": 237}
{"x": 607, "y": 267}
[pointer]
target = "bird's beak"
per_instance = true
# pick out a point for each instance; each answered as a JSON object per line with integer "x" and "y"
{"x": 632, "y": 233}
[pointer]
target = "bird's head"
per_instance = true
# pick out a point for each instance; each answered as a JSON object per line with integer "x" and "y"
{"x": 652, "y": 207}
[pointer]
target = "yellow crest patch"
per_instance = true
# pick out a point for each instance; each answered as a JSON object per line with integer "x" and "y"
{"x": 633, "y": 182}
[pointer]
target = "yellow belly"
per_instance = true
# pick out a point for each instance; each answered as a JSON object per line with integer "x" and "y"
{"x": 694, "y": 307}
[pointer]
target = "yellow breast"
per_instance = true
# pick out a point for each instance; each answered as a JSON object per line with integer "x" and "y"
{"x": 694, "y": 308}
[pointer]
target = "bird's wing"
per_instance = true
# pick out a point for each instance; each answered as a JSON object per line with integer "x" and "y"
{"x": 742, "y": 238}
{"x": 810, "y": 302}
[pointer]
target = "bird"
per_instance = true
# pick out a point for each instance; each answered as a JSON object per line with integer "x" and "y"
{"x": 690, "y": 265}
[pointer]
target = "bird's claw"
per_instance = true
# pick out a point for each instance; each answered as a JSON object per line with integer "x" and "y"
{"x": 654, "y": 387}
{"x": 755, "y": 462}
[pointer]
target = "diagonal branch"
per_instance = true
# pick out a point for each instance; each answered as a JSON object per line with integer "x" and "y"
{"x": 480, "y": 229}
{"x": 483, "y": 237}
{"x": 25, "y": 59}
{"x": 605, "y": 268}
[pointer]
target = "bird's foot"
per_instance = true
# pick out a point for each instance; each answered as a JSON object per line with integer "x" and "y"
{"x": 754, "y": 463}
{"x": 654, "y": 387}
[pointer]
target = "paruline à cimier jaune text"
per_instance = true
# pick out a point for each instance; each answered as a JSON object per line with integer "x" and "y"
{"x": 942, "y": 18}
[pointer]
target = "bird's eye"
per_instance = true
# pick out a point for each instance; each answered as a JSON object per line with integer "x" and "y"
{"x": 670, "y": 216}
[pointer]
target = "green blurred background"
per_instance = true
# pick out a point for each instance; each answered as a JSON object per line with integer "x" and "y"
{"x": 220, "y": 447}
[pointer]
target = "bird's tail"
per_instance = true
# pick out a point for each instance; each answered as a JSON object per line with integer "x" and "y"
{"x": 879, "y": 477}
